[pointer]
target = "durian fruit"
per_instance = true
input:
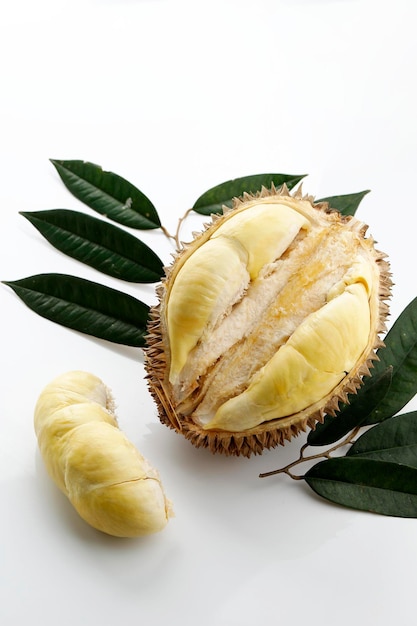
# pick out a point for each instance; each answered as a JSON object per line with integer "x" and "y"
{"x": 265, "y": 322}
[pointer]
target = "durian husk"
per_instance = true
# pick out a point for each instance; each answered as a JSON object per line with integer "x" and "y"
{"x": 273, "y": 432}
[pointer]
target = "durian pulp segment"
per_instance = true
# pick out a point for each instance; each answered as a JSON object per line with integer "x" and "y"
{"x": 264, "y": 230}
{"x": 58, "y": 396}
{"x": 135, "y": 500}
{"x": 216, "y": 276}
{"x": 56, "y": 431}
{"x": 212, "y": 280}
{"x": 312, "y": 363}
{"x": 237, "y": 357}
{"x": 65, "y": 404}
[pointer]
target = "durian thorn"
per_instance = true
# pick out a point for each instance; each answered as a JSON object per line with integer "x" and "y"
{"x": 298, "y": 193}
{"x": 265, "y": 192}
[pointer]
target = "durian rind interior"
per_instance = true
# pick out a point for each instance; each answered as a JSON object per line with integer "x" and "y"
{"x": 275, "y": 307}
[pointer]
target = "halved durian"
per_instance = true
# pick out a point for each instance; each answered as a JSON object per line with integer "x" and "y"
{"x": 265, "y": 322}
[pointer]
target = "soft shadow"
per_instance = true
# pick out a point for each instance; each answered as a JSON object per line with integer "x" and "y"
{"x": 52, "y": 500}
{"x": 127, "y": 352}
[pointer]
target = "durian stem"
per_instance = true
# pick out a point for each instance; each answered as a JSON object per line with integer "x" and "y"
{"x": 348, "y": 440}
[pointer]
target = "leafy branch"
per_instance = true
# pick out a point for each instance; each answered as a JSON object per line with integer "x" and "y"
{"x": 379, "y": 471}
{"x": 327, "y": 454}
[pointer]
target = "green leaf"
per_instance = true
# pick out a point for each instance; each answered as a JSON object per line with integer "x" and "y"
{"x": 401, "y": 352}
{"x": 354, "y": 414}
{"x": 367, "y": 485}
{"x": 108, "y": 194}
{"x": 85, "y": 306}
{"x": 346, "y": 204}
{"x": 94, "y": 242}
{"x": 213, "y": 200}
{"x": 394, "y": 440}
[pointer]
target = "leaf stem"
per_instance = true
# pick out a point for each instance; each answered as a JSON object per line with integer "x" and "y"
{"x": 348, "y": 440}
{"x": 177, "y": 233}
{"x": 166, "y": 233}
{"x": 176, "y": 237}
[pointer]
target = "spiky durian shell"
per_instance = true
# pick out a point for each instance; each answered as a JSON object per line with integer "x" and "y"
{"x": 274, "y": 432}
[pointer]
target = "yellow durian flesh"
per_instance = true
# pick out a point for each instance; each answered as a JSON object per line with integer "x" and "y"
{"x": 263, "y": 231}
{"x": 312, "y": 363}
{"x": 67, "y": 402}
{"x": 110, "y": 484}
{"x": 191, "y": 311}
{"x": 301, "y": 333}
{"x": 107, "y": 480}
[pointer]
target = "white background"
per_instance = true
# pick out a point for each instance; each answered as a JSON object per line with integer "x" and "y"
{"x": 177, "y": 96}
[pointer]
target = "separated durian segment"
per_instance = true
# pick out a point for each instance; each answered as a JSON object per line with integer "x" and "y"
{"x": 265, "y": 322}
{"x": 109, "y": 483}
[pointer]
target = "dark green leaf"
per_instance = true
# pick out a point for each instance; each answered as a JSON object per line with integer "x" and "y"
{"x": 367, "y": 485}
{"x": 94, "y": 242}
{"x": 85, "y": 306}
{"x": 401, "y": 353}
{"x": 354, "y": 414}
{"x": 215, "y": 198}
{"x": 346, "y": 204}
{"x": 394, "y": 440}
{"x": 108, "y": 194}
